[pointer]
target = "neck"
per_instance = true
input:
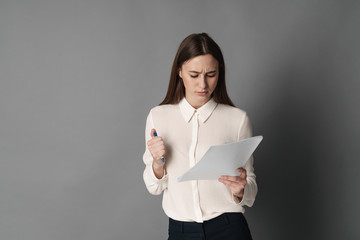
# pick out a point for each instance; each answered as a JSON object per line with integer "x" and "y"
{"x": 196, "y": 104}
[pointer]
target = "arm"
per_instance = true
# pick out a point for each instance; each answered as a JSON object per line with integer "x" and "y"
{"x": 243, "y": 187}
{"x": 154, "y": 174}
{"x": 250, "y": 189}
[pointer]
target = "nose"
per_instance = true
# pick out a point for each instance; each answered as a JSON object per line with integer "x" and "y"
{"x": 202, "y": 82}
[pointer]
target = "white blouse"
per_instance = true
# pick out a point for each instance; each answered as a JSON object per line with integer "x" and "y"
{"x": 188, "y": 133}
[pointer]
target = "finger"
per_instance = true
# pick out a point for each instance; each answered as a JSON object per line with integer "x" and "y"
{"x": 233, "y": 181}
{"x": 156, "y": 142}
{"x": 161, "y": 153}
{"x": 242, "y": 172}
{"x": 231, "y": 178}
{"x": 157, "y": 152}
{"x": 235, "y": 187}
{"x": 153, "y": 133}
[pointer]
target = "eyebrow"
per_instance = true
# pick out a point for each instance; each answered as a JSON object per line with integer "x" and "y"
{"x": 214, "y": 71}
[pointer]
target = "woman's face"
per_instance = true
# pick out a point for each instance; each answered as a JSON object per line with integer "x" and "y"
{"x": 200, "y": 76}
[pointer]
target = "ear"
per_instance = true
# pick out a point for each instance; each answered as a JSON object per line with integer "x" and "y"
{"x": 180, "y": 73}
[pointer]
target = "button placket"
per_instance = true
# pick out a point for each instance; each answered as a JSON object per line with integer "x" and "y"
{"x": 192, "y": 157}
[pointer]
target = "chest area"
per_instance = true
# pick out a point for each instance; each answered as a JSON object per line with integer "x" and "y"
{"x": 181, "y": 135}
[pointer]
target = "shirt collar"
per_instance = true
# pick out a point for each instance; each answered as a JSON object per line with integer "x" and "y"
{"x": 204, "y": 111}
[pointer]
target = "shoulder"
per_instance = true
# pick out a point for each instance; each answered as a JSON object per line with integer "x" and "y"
{"x": 234, "y": 116}
{"x": 238, "y": 118}
{"x": 231, "y": 111}
{"x": 164, "y": 109}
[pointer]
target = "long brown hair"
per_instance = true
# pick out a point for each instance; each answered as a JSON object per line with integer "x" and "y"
{"x": 192, "y": 46}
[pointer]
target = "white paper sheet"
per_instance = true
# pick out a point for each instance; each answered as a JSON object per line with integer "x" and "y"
{"x": 222, "y": 159}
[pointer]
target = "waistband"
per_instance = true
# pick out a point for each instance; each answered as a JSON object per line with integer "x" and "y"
{"x": 194, "y": 227}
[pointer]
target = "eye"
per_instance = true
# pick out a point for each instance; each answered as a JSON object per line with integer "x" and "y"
{"x": 211, "y": 75}
{"x": 194, "y": 76}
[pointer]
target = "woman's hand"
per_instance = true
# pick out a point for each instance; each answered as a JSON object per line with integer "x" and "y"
{"x": 157, "y": 149}
{"x": 235, "y": 183}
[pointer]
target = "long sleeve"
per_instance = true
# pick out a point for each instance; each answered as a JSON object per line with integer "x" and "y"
{"x": 251, "y": 188}
{"x": 154, "y": 185}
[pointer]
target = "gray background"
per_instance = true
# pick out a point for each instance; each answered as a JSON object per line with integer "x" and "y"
{"x": 79, "y": 77}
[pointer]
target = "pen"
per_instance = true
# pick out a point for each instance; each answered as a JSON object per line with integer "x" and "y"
{"x": 162, "y": 157}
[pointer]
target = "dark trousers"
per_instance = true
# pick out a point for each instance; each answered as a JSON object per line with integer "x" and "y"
{"x": 228, "y": 226}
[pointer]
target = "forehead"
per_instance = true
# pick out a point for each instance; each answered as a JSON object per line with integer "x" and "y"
{"x": 201, "y": 62}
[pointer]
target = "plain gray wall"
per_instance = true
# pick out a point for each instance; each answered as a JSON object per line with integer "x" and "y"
{"x": 78, "y": 79}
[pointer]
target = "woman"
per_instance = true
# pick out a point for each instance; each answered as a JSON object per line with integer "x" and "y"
{"x": 196, "y": 114}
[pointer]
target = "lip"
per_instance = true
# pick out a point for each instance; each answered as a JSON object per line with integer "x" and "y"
{"x": 202, "y": 93}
